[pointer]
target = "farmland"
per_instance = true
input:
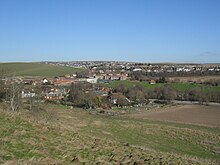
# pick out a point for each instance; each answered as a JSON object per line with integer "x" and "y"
{"x": 36, "y": 69}
{"x": 194, "y": 79}
{"x": 194, "y": 114}
{"x": 62, "y": 135}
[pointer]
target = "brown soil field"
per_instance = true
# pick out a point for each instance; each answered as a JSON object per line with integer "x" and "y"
{"x": 194, "y": 78}
{"x": 192, "y": 114}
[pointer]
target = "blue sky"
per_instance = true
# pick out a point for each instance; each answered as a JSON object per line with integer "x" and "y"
{"x": 125, "y": 30}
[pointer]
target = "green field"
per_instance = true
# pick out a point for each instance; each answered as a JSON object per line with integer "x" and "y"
{"x": 178, "y": 86}
{"x": 35, "y": 69}
{"x": 73, "y": 136}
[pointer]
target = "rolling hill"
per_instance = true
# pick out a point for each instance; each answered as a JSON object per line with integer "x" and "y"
{"x": 35, "y": 69}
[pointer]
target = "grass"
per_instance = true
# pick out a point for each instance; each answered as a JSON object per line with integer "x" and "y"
{"x": 36, "y": 69}
{"x": 73, "y": 136}
{"x": 178, "y": 86}
{"x": 161, "y": 136}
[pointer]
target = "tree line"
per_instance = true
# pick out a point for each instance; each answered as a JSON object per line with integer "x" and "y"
{"x": 85, "y": 95}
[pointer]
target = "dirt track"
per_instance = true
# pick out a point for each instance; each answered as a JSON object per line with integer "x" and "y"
{"x": 196, "y": 114}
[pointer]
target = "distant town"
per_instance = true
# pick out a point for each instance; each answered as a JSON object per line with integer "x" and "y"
{"x": 102, "y": 69}
{"x": 134, "y": 66}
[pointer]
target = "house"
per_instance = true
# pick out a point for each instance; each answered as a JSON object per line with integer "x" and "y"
{"x": 27, "y": 93}
{"x": 55, "y": 94}
{"x": 28, "y": 82}
{"x": 152, "y": 82}
{"x": 74, "y": 75}
{"x": 115, "y": 76}
{"x": 123, "y": 76}
{"x": 137, "y": 69}
{"x": 92, "y": 80}
{"x": 89, "y": 80}
{"x": 64, "y": 82}
{"x": 45, "y": 81}
{"x": 98, "y": 76}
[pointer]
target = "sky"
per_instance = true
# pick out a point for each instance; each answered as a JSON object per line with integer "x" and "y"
{"x": 113, "y": 30}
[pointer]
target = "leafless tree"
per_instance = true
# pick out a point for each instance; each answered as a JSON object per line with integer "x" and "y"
{"x": 15, "y": 95}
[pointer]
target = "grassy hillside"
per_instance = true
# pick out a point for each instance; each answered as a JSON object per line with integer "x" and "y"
{"x": 62, "y": 136}
{"x": 35, "y": 69}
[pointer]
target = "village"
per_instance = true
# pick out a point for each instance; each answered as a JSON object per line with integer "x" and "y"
{"x": 57, "y": 89}
{"x": 93, "y": 83}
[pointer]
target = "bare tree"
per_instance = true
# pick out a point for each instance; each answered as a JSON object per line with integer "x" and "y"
{"x": 137, "y": 94}
{"x": 165, "y": 92}
{"x": 15, "y": 95}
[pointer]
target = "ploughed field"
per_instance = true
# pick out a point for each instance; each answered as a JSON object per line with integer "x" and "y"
{"x": 194, "y": 114}
{"x": 56, "y": 134}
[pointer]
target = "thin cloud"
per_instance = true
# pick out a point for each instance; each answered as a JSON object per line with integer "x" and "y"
{"x": 213, "y": 54}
